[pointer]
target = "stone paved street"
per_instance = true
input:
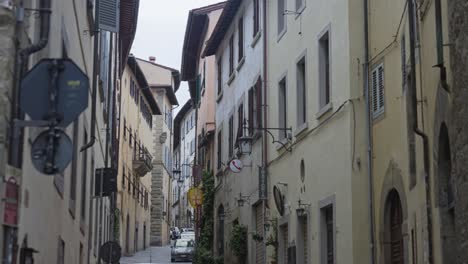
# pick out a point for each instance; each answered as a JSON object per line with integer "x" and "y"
{"x": 153, "y": 255}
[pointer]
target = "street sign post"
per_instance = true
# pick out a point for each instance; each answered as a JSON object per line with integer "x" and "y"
{"x": 63, "y": 152}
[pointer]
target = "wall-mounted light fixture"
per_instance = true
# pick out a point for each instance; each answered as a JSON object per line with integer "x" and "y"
{"x": 301, "y": 209}
{"x": 241, "y": 200}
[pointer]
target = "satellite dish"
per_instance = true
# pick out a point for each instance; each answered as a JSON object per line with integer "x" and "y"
{"x": 279, "y": 200}
{"x": 236, "y": 165}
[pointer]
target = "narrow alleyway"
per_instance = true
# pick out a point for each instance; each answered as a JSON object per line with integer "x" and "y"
{"x": 153, "y": 255}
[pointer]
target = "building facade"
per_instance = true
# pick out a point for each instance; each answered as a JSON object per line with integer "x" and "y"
{"x": 137, "y": 107}
{"x": 458, "y": 35}
{"x": 238, "y": 46}
{"x": 184, "y": 153}
{"x": 163, "y": 82}
{"x": 414, "y": 188}
{"x": 317, "y": 166}
{"x": 60, "y": 217}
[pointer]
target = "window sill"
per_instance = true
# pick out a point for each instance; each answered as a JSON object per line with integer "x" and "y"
{"x": 220, "y": 96}
{"x": 231, "y": 78}
{"x": 301, "y": 129}
{"x": 256, "y": 38}
{"x": 281, "y": 34}
{"x": 325, "y": 109}
{"x": 240, "y": 63}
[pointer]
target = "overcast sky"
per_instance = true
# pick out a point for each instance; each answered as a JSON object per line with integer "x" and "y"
{"x": 161, "y": 30}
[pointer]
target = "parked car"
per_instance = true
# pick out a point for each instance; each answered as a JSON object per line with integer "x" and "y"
{"x": 188, "y": 235}
{"x": 182, "y": 250}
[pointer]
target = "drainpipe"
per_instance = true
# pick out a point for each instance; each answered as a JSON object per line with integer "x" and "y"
{"x": 419, "y": 132}
{"x": 21, "y": 66}
{"x": 96, "y": 50}
{"x": 440, "y": 45}
{"x": 265, "y": 119}
{"x": 369, "y": 133}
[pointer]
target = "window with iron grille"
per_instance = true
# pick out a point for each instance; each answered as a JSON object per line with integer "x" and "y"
{"x": 231, "y": 137}
{"x": 219, "y": 150}
{"x": 231, "y": 55}
{"x": 378, "y": 92}
{"x": 256, "y": 17}
{"x": 220, "y": 75}
{"x": 240, "y": 39}
{"x": 324, "y": 69}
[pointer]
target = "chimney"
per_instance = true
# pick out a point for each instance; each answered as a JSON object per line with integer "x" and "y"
{"x": 152, "y": 59}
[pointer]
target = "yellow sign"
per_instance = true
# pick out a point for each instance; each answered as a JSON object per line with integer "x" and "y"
{"x": 195, "y": 197}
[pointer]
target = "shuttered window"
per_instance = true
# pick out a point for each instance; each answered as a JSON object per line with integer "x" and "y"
{"x": 231, "y": 137}
{"x": 109, "y": 15}
{"x": 259, "y": 230}
{"x": 251, "y": 110}
{"x": 241, "y": 39}
{"x": 378, "y": 93}
{"x": 231, "y": 55}
{"x": 256, "y": 17}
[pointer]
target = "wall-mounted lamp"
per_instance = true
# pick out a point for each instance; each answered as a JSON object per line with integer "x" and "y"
{"x": 242, "y": 199}
{"x": 301, "y": 209}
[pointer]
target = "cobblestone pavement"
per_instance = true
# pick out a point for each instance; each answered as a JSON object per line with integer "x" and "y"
{"x": 153, "y": 255}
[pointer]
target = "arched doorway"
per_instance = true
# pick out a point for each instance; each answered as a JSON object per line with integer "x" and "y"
{"x": 446, "y": 197}
{"x": 220, "y": 240}
{"x": 393, "y": 230}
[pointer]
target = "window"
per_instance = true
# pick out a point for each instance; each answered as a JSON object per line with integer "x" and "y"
{"x": 231, "y": 136}
{"x": 231, "y": 55}
{"x": 282, "y": 108}
{"x": 328, "y": 235}
{"x": 125, "y": 129}
{"x": 240, "y": 121}
{"x": 403, "y": 62}
{"x": 220, "y": 75}
{"x": 220, "y": 153}
{"x": 182, "y": 131}
{"x": 61, "y": 251}
{"x": 300, "y": 4}
{"x": 74, "y": 168}
{"x": 301, "y": 92}
{"x": 378, "y": 101}
{"x": 258, "y": 103}
{"x": 281, "y": 16}
{"x": 240, "y": 39}
{"x": 256, "y": 17}
{"x": 123, "y": 177}
{"x": 324, "y": 69}
{"x": 250, "y": 112}
{"x": 84, "y": 172}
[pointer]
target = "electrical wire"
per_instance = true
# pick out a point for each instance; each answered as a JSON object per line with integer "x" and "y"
{"x": 394, "y": 37}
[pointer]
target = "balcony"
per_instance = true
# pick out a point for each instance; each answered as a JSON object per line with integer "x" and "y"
{"x": 142, "y": 161}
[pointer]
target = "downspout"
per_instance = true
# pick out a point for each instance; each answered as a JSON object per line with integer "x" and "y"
{"x": 265, "y": 118}
{"x": 369, "y": 134}
{"x": 96, "y": 66}
{"x": 21, "y": 66}
{"x": 419, "y": 132}
{"x": 440, "y": 45}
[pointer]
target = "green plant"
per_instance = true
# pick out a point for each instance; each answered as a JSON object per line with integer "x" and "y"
{"x": 238, "y": 242}
{"x": 203, "y": 253}
{"x": 273, "y": 239}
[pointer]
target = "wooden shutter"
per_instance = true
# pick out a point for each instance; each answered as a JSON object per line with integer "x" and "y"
{"x": 231, "y": 55}
{"x": 258, "y": 103}
{"x": 378, "y": 90}
{"x": 109, "y": 15}
{"x": 251, "y": 111}
{"x": 241, "y": 39}
{"x": 259, "y": 230}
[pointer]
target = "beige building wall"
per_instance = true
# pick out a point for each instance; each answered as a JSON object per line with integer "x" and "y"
{"x": 163, "y": 82}
{"x": 392, "y": 131}
{"x": 323, "y": 164}
{"x": 135, "y": 214}
{"x": 49, "y": 212}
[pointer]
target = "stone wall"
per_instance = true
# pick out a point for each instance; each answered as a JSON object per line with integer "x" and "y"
{"x": 458, "y": 14}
